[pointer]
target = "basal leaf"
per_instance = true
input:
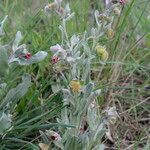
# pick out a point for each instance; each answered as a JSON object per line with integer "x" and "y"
{"x": 18, "y": 92}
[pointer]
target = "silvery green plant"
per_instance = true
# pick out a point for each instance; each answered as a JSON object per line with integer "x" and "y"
{"x": 79, "y": 92}
{"x": 21, "y": 56}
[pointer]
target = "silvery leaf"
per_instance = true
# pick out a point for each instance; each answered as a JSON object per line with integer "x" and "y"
{"x": 66, "y": 93}
{"x": 21, "y": 47}
{"x": 67, "y": 9}
{"x": 99, "y": 133}
{"x": 38, "y": 57}
{"x": 34, "y": 59}
{"x": 3, "y": 85}
{"x": 86, "y": 103}
{"x": 96, "y": 17}
{"x": 55, "y": 87}
{"x": 17, "y": 92}
{"x": 17, "y": 40}
{"x": 147, "y": 147}
{"x": 107, "y": 2}
{"x": 99, "y": 147}
{"x": 70, "y": 59}
{"x": 2, "y": 25}
{"x": 69, "y": 17}
{"x": 88, "y": 89}
{"x": 58, "y": 2}
{"x": 64, "y": 116}
{"x": 74, "y": 40}
{"x": 3, "y": 61}
{"x": 92, "y": 118}
{"x": 5, "y": 122}
{"x": 73, "y": 143}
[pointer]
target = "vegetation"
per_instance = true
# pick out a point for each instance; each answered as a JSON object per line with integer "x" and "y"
{"x": 74, "y": 76}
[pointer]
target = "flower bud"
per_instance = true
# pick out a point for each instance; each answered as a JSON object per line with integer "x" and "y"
{"x": 22, "y": 54}
{"x": 28, "y": 55}
{"x": 116, "y": 11}
{"x": 122, "y": 2}
{"x": 56, "y": 48}
{"x": 110, "y": 33}
{"x": 55, "y": 59}
{"x": 102, "y": 53}
{"x": 54, "y": 136}
{"x": 111, "y": 114}
{"x": 52, "y": 5}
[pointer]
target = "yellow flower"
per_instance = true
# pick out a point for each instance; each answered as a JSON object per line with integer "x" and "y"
{"x": 110, "y": 33}
{"x": 75, "y": 86}
{"x": 102, "y": 53}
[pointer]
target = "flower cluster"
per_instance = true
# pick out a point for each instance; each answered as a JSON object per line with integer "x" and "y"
{"x": 21, "y": 55}
{"x": 59, "y": 53}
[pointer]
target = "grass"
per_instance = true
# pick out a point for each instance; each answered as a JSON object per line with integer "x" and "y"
{"x": 124, "y": 80}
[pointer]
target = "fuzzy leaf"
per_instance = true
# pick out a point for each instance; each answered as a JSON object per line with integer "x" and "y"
{"x": 3, "y": 61}
{"x": 73, "y": 143}
{"x": 17, "y": 41}
{"x": 34, "y": 59}
{"x": 92, "y": 118}
{"x": 74, "y": 40}
{"x": 99, "y": 147}
{"x": 5, "y": 122}
{"x": 3, "y": 85}
{"x": 18, "y": 92}
{"x": 2, "y": 25}
{"x": 147, "y": 147}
